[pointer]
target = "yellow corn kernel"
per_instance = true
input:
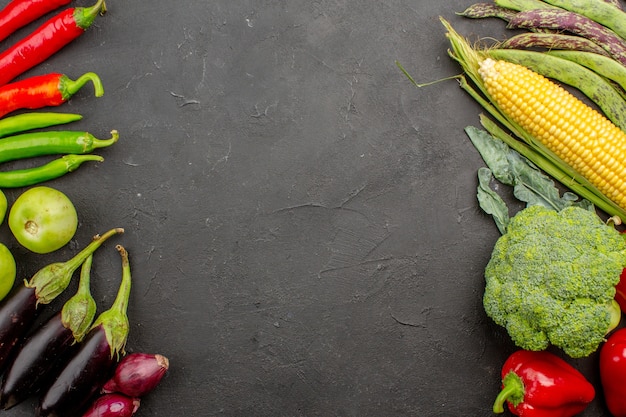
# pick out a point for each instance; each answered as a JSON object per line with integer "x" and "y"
{"x": 579, "y": 135}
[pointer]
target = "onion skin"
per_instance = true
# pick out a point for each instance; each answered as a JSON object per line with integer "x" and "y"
{"x": 137, "y": 374}
{"x": 113, "y": 405}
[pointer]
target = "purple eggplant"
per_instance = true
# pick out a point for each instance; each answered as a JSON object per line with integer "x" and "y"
{"x": 21, "y": 307}
{"x": 113, "y": 405}
{"x": 137, "y": 374}
{"x": 94, "y": 361}
{"x": 48, "y": 348}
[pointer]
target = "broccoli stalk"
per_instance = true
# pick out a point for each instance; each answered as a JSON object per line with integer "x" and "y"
{"x": 551, "y": 279}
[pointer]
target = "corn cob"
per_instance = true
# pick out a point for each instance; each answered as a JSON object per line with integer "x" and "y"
{"x": 573, "y": 131}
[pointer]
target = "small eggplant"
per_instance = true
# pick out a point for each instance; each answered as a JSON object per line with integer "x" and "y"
{"x": 113, "y": 405}
{"x": 22, "y": 306}
{"x": 93, "y": 364}
{"x": 49, "y": 347}
{"x": 137, "y": 374}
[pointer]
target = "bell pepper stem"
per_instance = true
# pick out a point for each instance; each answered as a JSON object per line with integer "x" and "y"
{"x": 512, "y": 390}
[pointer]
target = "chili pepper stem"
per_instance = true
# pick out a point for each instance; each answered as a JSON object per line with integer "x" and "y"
{"x": 71, "y": 87}
{"x": 512, "y": 390}
{"x": 103, "y": 143}
{"x": 84, "y": 16}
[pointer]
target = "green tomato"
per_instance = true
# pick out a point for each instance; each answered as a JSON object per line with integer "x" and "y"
{"x": 43, "y": 219}
{"x": 7, "y": 271}
{"x": 3, "y": 206}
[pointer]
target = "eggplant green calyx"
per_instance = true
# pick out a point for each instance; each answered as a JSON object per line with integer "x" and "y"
{"x": 114, "y": 321}
{"x": 53, "y": 279}
{"x": 78, "y": 312}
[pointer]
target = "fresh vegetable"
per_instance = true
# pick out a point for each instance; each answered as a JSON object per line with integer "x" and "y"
{"x": 29, "y": 121}
{"x": 483, "y": 10}
{"x": 530, "y": 185}
{"x": 44, "y": 91}
{"x": 3, "y": 206}
{"x": 53, "y": 169}
{"x": 551, "y": 42}
{"x": 599, "y": 11}
{"x": 93, "y": 364}
{"x": 24, "y": 303}
{"x": 601, "y": 65}
{"x": 46, "y": 40}
{"x": 113, "y": 405}
{"x": 529, "y": 145}
{"x": 560, "y": 122}
{"x": 551, "y": 279}
{"x": 137, "y": 374}
{"x": 8, "y": 271}
{"x": 43, "y": 219}
{"x": 613, "y": 372}
{"x": 48, "y": 348}
{"x": 521, "y": 5}
{"x": 19, "y": 13}
{"x": 33, "y": 144}
{"x": 559, "y": 19}
{"x": 541, "y": 384}
{"x": 568, "y": 72}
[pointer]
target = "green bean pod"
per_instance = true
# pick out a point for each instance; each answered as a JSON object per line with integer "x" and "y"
{"x": 521, "y": 5}
{"x": 34, "y": 120}
{"x": 28, "y": 145}
{"x": 600, "y": 11}
{"x": 564, "y": 20}
{"x": 51, "y": 170}
{"x": 484, "y": 10}
{"x": 551, "y": 41}
{"x": 615, "y": 3}
{"x": 602, "y": 65}
{"x": 594, "y": 86}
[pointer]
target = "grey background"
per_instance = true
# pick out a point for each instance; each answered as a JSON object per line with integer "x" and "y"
{"x": 302, "y": 222}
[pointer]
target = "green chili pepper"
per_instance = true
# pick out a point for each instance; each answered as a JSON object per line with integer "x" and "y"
{"x": 28, "y": 145}
{"x": 34, "y": 120}
{"x": 49, "y": 171}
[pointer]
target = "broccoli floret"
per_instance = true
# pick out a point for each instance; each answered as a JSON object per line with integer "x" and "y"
{"x": 551, "y": 279}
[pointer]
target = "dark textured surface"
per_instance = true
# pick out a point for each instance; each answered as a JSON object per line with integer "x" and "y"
{"x": 302, "y": 223}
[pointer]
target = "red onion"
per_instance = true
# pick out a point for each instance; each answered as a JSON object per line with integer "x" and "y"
{"x": 113, "y": 405}
{"x": 137, "y": 374}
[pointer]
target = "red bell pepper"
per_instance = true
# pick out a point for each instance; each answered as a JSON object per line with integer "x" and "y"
{"x": 541, "y": 384}
{"x": 613, "y": 372}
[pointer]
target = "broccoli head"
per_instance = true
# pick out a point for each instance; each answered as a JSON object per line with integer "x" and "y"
{"x": 551, "y": 279}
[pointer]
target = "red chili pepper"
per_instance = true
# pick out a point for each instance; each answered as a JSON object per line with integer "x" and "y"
{"x": 44, "y": 90}
{"x": 613, "y": 372}
{"x": 19, "y": 13}
{"x": 541, "y": 384}
{"x": 46, "y": 40}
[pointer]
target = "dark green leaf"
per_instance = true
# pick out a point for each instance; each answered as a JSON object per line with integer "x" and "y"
{"x": 490, "y": 201}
